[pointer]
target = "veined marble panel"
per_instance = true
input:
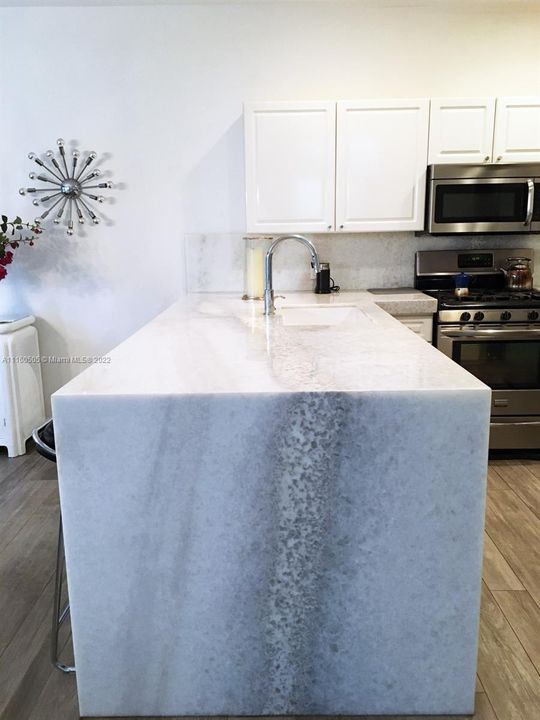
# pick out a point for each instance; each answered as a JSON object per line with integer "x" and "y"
{"x": 274, "y": 515}
{"x": 212, "y": 343}
{"x": 274, "y": 554}
{"x": 215, "y": 262}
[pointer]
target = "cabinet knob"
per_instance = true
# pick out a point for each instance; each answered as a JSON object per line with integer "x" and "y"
{"x": 486, "y": 159}
{"x": 329, "y": 227}
{"x": 499, "y": 158}
{"x": 341, "y": 227}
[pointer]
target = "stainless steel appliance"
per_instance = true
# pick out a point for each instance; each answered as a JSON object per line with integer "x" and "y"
{"x": 483, "y": 199}
{"x": 493, "y": 332}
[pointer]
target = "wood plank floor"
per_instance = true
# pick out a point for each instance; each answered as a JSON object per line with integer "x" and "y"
{"x": 508, "y": 686}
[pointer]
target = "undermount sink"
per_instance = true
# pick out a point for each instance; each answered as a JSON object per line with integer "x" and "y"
{"x": 316, "y": 314}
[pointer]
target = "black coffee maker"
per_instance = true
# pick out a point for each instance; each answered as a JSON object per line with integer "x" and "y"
{"x": 324, "y": 283}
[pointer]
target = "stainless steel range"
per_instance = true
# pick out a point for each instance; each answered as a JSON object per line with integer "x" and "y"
{"x": 493, "y": 332}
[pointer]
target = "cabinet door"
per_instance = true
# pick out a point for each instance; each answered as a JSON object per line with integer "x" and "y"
{"x": 420, "y": 325}
{"x": 381, "y": 165}
{"x": 290, "y": 166}
{"x": 461, "y": 130}
{"x": 517, "y": 130}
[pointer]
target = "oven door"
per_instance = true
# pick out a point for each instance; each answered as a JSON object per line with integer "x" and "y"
{"x": 484, "y": 205}
{"x": 507, "y": 358}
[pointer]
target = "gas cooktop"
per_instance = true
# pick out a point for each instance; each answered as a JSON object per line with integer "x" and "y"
{"x": 488, "y": 298}
{"x": 488, "y": 301}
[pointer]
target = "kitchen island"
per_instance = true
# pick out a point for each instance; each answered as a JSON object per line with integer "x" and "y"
{"x": 274, "y": 516}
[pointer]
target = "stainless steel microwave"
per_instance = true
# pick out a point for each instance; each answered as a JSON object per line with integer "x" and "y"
{"x": 483, "y": 199}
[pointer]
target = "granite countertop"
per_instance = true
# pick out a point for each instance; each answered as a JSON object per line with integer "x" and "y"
{"x": 400, "y": 304}
{"x": 218, "y": 344}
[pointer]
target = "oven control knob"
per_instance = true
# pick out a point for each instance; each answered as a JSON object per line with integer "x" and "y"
{"x": 533, "y": 315}
{"x": 465, "y": 317}
{"x": 506, "y": 315}
{"x": 478, "y": 316}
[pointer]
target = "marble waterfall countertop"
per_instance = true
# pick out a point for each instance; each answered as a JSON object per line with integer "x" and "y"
{"x": 276, "y": 516}
{"x": 217, "y": 343}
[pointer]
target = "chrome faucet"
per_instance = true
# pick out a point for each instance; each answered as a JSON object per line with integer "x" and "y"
{"x": 269, "y": 307}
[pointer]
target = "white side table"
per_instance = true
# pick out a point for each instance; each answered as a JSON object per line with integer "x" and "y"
{"x": 21, "y": 389}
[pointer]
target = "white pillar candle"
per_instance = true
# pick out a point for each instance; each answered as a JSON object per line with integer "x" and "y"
{"x": 254, "y": 268}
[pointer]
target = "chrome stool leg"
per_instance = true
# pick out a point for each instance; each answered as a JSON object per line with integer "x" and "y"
{"x": 59, "y": 613}
{"x": 45, "y": 445}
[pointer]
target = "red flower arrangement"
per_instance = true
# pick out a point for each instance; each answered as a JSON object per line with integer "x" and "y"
{"x": 13, "y": 234}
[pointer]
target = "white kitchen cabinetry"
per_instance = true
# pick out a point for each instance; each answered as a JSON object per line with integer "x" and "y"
{"x": 21, "y": 391}
{"x": 477, "y": 130}
{"x": 461, "y": 130}
{"x": 381, "y": 165}
{"x": 290, "y": 166}
{"x": 420, "y": 324}
{"x": 517, "y": 130}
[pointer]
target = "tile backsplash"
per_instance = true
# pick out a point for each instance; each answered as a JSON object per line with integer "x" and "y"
{"x": 215, "y": 262}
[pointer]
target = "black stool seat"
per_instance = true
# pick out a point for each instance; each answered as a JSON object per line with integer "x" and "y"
{"x": 44, "y": 439}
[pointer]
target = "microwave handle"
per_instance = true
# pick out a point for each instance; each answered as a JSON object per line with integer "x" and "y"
{"x": 530, "y": 202}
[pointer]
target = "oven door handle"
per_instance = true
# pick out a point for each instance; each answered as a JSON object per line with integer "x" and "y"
{"x": 530, "y": 202}
{"x": 491, "y": 332}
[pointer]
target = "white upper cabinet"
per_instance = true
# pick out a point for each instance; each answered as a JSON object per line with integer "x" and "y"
{"x": 381, "y": 165}
{"x": 461, "y": 130}
{"x": 517, "y": 130}
{"x": 290, "y": 166}
{"x": 481, "y": 130}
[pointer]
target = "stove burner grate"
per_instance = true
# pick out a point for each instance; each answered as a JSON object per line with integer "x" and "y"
{"x": 486, "y": 298}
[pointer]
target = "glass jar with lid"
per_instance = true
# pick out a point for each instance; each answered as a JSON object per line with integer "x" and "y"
{"x": 254, "y": 255}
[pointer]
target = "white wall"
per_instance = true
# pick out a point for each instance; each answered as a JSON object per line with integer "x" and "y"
{"x": 160, "y": 91}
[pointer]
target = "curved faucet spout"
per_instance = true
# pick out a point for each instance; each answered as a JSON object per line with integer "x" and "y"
{"x": 269, "y": 307}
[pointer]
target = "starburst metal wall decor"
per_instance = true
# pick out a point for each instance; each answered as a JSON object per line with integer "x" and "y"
{"x": 70, "y": 186}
